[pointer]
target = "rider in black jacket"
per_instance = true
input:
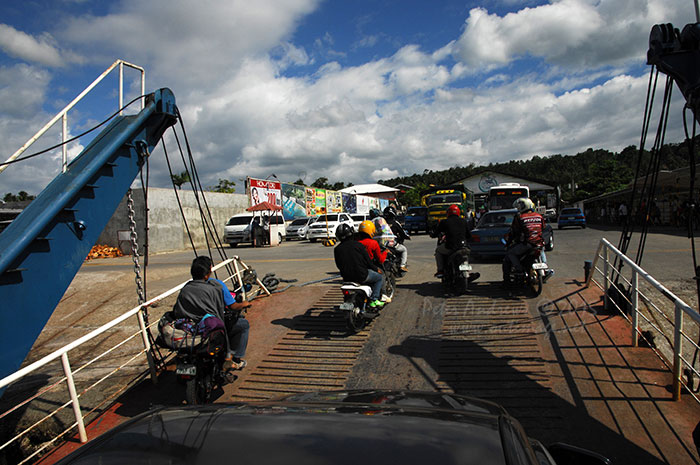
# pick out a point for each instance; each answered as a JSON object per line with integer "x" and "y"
{"x": 353, "y": 261}
{"x": 453, "y": 234}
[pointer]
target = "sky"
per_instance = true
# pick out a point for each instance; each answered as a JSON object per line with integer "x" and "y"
{"x": 354, "y": 91}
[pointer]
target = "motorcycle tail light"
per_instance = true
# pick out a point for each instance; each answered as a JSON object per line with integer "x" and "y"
{"x": 346, "y": 292}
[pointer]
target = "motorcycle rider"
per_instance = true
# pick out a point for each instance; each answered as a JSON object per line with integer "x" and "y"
{"x": 401, "y": 236}
{"x": 383, "y": 234}
{"x": 365, "y": 237}
{"x": 453, "y": 233}
{"x": 354, "y": 264}
{"x": 203, "y": 296}
{"x": 525, "y": 235}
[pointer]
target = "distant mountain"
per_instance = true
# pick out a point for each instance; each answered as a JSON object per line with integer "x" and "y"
{"x": 592, "y": 172}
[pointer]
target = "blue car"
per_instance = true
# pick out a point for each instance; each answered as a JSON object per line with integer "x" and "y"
{"x": 416, "y": 219}
{"x": 571, "y": 217}
{"x": 492, "y": 227}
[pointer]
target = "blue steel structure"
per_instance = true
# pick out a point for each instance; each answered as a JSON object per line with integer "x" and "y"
{"x": 43, "y": 248}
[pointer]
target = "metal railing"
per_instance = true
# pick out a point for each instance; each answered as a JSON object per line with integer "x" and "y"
{"x": 63, "y": 114}
{"x": 68, "y": 373}
{"x": 627, "y": 294}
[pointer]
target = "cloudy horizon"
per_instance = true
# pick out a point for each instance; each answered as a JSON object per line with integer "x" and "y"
{"x": 352, "y": 92}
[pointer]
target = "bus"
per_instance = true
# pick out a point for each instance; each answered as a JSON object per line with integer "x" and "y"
{"x": 501, "y": 197}
{"x": 438, "y": 199}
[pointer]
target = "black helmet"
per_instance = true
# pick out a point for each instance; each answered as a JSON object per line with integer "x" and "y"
{"x": 374, "y": 213}
{"x": 389, "y": 213}
{"x": 343, "y": 231}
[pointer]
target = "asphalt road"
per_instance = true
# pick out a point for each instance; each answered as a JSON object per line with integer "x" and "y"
{"x": 667, "y": 257}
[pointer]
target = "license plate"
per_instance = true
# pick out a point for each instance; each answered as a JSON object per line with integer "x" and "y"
{"x": 188, "y": 370}
{"x": 465, "y": 267}
{"x": 493, "y": 238}
{"x": 347, "y": 306}
{"x": 539, "y": 266}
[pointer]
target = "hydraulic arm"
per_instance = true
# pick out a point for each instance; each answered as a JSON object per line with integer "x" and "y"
{"x": 43, "y": 248}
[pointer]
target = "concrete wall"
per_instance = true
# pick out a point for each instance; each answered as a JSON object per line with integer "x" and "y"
{"x": 166, "y": 228}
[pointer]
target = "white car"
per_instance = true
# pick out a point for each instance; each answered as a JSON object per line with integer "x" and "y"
{"x": 298, "y": 227}
{"x": 358, "y": 218}
{"x": 239, "y": 228}
{"x": 322, "y": 229}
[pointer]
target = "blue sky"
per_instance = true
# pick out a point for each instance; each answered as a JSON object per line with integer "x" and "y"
{"x": 352, "y": 91}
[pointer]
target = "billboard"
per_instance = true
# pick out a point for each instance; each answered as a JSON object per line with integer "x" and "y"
{"x": 362, "y": 204}
{"x": 349, "y": 203}
{"x": 334, "y": 202}
{"x": 293, "y": 201}
{"x": 263, "y": 190}
{"x": 320, "y": 201}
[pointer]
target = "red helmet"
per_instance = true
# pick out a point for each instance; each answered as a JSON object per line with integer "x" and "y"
{"x": 453, "y": 210}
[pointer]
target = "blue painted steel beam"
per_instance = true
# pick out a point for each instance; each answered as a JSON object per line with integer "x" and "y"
{"x": 43, "y": 248}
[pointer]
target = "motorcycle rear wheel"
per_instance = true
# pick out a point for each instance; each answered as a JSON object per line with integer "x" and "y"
{"x": 389, "y": 285}
{"x": 198, "y": 390}
{"x": 535, "y": 282}
{"x": 355, "y": 320}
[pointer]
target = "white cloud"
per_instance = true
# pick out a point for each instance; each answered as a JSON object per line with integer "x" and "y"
{"x": 392, "y": 115}
{"x": 25, "y": 47}
{"x": 566, "y": 32}
{"x": 384, "y": 173}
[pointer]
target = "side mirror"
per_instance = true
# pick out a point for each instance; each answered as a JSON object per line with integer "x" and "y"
{"x": 566, "y": 454}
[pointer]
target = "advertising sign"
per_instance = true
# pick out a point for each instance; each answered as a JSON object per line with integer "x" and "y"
{"x": 362, "y": 204}
{"x": 263, "y": 190}
{"x": 334, "y": 202}
{"x": 310, "y": 200}
{"x": 320, "y": 201}
{"x": 293, "y": 201}
{"x": 349, "y": 203}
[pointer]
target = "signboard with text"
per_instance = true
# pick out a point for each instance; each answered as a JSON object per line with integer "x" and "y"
{"x": 265, "y": 191}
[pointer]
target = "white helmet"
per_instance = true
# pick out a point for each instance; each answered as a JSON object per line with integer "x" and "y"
{"x": 523, "y": 204}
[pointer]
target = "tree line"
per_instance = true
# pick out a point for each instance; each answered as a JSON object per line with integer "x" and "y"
{"x": 581, "y": 176}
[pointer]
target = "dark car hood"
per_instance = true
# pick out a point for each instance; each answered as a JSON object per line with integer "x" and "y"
{"x": 365, "y": 427}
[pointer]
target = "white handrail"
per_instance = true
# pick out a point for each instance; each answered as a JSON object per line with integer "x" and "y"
{"x": 92, "y": 334}
{"x": 62, "y": 115}
{"x": 680, "y": 307}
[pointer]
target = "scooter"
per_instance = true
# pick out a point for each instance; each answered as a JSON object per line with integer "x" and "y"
{"x": 457, "y": 274}
{"x": 199, "y": 360}
{"x": 201, "y": 368}
{"x": 356, "y": 305}
{"x": 356, "y": 299}
{"x": 534, "y": 274}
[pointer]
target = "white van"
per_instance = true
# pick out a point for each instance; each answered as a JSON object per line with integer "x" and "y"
{"x": 239, "y": 228}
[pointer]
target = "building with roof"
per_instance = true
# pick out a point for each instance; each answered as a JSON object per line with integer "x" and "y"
{"x": 378, "y": 191}
{"x": 541, "y": 191}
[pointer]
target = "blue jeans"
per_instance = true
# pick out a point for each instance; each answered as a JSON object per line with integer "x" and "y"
{"x": 238, "y": 337}
{"x": 375, "y": 281}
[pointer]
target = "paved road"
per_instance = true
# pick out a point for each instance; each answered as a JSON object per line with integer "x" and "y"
{"x": 667, "y": 257}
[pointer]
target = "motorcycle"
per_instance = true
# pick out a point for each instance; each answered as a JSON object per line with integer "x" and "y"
{"x": 356, "y": 305}
{"x": 534, "y": 274}
{"x": 392, "y": 263}
{"x": 457, "y": 273}
{"x": 356, "y": 297}
{"x": 199, "y": 360}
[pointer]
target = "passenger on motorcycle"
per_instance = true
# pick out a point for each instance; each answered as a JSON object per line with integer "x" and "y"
{"x": 525, "y": 235}
{"x": 203, "y": 296}
{"x": 401, "y": 236}
{"x": 383, "y": 234}
{"x": 355, "y": 266}
{"x": 365, "y": 237}
{"x": 453, "y": 233}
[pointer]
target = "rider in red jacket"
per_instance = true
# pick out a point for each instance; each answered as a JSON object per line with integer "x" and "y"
{"x": 525, "y": 235}
{"x": 366, "y": 233}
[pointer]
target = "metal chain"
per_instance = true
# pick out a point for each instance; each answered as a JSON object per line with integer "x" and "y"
{"x": 134, "y": 248}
